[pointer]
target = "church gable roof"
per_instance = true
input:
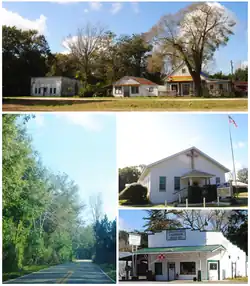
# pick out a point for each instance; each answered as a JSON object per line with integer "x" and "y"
{"x": 146, "y": 169}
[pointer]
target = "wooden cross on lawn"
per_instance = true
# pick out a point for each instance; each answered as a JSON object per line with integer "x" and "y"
{"x": 192, "y": 155}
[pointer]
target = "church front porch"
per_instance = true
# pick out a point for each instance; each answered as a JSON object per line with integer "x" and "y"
{"x": 194, "y": 180}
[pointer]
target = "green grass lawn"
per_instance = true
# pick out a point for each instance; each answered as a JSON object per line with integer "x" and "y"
{"x": 109, "y": 269}
{"x": 123, "y": 104}
{"x": 26, "y": 270}
{"x": 241, "y": 204}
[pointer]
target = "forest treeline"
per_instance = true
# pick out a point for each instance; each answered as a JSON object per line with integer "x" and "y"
{"x": 101, "y": 57}
{"x": 43, "y": 221}
{"x": 27, "y": 54}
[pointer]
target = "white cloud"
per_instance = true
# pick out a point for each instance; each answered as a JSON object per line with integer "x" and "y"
{"x": 10, "y": 18}
{"x": 86, "y": 10}
{"x": 242, "y": 65}
{"x": 87, "y": 120}
{"x": 116, "y": 7}
{"x": 239, "y": 144}
{"x": 96, "y": 6}
{"x": 135, "y": 7}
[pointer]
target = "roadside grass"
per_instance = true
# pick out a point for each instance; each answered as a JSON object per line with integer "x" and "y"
{"x": 26, "y": 270}
{"x": 243, "y": 195}
{"x": 109, "y": 269}
{"x": 124, "y": 203}
{"x": 124, "y": 104}
{"x": 241, "y": 279}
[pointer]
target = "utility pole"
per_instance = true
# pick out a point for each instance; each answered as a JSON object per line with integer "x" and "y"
{"x": 232, "y": 68}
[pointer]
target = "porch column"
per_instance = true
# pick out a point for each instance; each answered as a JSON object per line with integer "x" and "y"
{"x": 191, "y": 181}
{"x": 199, "y": 276}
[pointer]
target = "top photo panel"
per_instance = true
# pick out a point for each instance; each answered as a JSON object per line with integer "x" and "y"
{"x": 125, "y": 56}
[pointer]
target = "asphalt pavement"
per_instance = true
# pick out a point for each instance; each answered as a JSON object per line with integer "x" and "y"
{"x": 79, "y": 272}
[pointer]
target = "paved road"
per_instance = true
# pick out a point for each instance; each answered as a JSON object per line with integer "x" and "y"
{"x": 80, "y": 272}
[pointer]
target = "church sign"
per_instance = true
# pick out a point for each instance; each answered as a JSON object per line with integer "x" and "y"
{"x": 178, "y": 234}
{"x": 224, "y": 192}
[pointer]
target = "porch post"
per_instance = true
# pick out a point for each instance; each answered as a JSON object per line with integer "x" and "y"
{"x": 191, "y": 181}
{"x": 199, "y": 272}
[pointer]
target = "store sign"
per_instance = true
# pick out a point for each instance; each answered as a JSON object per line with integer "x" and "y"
{"x": 179, "y": 234}
{"x": 134, "y": 239}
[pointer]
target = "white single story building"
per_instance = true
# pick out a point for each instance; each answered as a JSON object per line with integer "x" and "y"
{"x": 180, "y": 254}
{"x": 169, "y": 178}
{"x": 54, "y": 86}
{"x": 134, "y": 86}
{"x": 181, "y": 82}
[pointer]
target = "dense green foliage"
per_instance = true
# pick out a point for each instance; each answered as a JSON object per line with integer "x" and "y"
{"x": 26, "y": 54}
{"x": 105, "y": 237}
{"x": 232, "y": 223}
{"x": 135, "y": 194}
{"x": 158, "y": 219}
{"x": 42, "y": 212}
{"x": 240, "y": 74}
{"x": 242, "y": 175}
{"x": 128, "y": 175}
{"x": 237, "y": 230}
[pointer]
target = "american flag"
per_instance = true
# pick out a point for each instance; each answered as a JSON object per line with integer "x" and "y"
{"x": 232, "y": 121}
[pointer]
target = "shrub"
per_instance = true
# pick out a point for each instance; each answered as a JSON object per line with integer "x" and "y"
{"x": 135, "y": 194}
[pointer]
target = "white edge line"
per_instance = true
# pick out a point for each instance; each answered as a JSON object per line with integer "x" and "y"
{"x": 106, "y": 274}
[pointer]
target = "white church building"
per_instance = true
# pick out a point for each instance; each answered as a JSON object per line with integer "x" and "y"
{"x": 184, "y": 254}
{"x": 168, "y": 179}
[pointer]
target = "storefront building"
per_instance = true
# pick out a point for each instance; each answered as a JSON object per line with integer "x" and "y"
{"x": 186, "y": 254}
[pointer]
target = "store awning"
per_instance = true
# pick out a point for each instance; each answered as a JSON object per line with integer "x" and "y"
{"x": 125, "y": 256}
{"x": 197, "y": 174}
{"x": 180, "y": 249}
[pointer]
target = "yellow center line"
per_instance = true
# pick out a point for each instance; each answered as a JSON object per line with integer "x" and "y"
{"x": 64, "y": 278}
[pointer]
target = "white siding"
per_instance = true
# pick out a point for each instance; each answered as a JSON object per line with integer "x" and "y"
{"x": 146, "y": 183}
{"x": 177, "y": 258}
{"x": 43, "y": 82}
{"x": 62, "y": 85}
{"x": 232, "y": 253}
{"x": 193, "y": 238}
{"x": 177, "y": 167}
{"x": 179, "y": 71}
{"x": 143, "y": 91}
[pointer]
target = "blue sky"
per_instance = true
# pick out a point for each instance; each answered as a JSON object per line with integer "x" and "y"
{"x": 131, "y": 220}
{"x": 84, "y": 147}
{"x": 59, "y": 20}
{"x": 145, "y": 137}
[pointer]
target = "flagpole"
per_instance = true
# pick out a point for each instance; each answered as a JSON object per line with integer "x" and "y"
{"x": 232, "y": 153}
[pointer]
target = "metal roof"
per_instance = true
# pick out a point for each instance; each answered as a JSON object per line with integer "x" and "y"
{"x": 197, "y": 173}
{"x": 180, "y": 249}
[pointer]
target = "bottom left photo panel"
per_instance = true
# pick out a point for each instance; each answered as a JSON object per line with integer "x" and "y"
{"x": 59, "y": 198}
